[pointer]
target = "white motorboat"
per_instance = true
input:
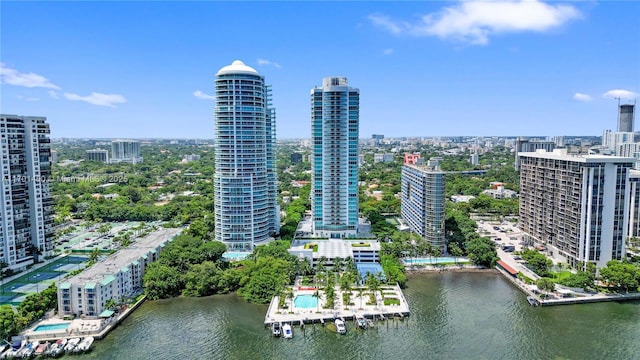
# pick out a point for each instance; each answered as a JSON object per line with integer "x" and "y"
{"x": 342, "y": 329}
{"x": 85, "y": 345}
{"x": 275, "y": 329}
{"x": 71, "y": 344}
{"x": 532, "y": 301}
{"x": 287, "y": 332}
{"x": 361, "y": 321}
{"x": 58, "y": 348}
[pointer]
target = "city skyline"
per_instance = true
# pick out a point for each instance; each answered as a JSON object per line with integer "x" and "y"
{"x": 560, "y": 68}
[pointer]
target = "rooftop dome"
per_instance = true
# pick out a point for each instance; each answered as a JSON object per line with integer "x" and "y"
{"x": 237, "y": 67}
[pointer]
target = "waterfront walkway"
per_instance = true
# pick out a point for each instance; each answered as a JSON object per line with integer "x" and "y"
{"x": 318, "y": 313}
{"x": 557, "y": 298}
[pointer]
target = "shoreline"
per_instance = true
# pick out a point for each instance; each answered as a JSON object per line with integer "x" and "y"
{"x": 439, "y": 269}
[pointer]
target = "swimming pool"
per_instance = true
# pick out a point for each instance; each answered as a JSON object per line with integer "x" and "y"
{"x": 234, "y": 256}
{"x": 50, "y": 327}
{"x": 439, "y": 260}
{"x": 305, "y": 302}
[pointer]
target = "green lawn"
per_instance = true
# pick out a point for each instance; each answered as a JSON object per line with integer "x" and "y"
{"x": 391, "y": 301}
{"x": 559, "y": 275}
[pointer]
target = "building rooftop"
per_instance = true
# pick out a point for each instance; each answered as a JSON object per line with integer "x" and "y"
{"x": 561, "y": 154}
{"x": 115, "y": 262}
{"x": 341, "y": 248}
{"x": 237, "y": 67}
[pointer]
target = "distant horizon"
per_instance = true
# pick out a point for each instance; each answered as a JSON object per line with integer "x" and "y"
{"x": 309, "y": 138}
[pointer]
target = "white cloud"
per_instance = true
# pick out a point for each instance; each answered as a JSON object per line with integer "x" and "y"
{"x": 99, "y": 99}
{"x": 582, "y": 97}
{"x": 268, "y": 62}
{"x": 475, "y": 21}
{"x": 385, "y": 22}
{"x": 53, "y": 94}
{"x": 200, "y": 95}
{"x": 619, "y": 93}
{"x": 387, "y": 51}
{"x": 14, "y": 77}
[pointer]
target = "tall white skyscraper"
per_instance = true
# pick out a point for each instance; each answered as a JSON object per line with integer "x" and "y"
{"x": 26, "y": 214}
{"x": 244, "y": 182}
{"x": 335, "y": 114}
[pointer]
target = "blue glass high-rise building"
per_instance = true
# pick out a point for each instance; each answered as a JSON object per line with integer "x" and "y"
{"x": 335, "y": 117}
{"x": 244, "y": 182}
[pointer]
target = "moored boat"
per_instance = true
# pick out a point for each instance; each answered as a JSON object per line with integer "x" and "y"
{"x": 71, "y": 344}
{"x": 275, "y": 329}
{"x": 58, "y": 348}
{"x": 532, "y": 301}
{"x": 340, "y": 327}
{"x": 85, "y": 345}
{"x": 287, "y": 332}
{"x": 361, "y": 321}
{"x": 42, "y": 349}
{"x": 28, "y": 350}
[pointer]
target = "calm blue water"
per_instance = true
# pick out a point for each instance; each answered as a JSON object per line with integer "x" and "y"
{"x": 440, "y": 260}
{"x": 231, "y": 256}
{"x": 50, "y": 327}
{"x": 453, "y": 316}
{"x": 305, "y": 302}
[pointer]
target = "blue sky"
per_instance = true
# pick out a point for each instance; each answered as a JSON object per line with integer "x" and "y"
{"x": 146, "y": 69}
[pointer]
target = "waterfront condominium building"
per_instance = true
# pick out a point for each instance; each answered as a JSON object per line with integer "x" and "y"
{"x": 422, "y": 202}
{"x": 26, "y": 214}
{"x": 577, "y": 206}
{"x": 117, "y": 276}
{"x": 634, "y": 204}
{"x": 527, "y": 145}
{"x": 125, "y": 151}
{"x": 335, "y": 113}
{"x": 244, "y": 182}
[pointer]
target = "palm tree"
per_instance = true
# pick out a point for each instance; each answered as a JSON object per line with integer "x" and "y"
{"x": 337, "y": 266}
{"x": 305, "y": 267}
{"x": 374, "y": 285}
{"x": 288, "y": 293}
{"x": 280, "y": 295}
{"x": 93, "y": 257}
{"x": 360, "y": 294}
{"x": 317, "y": 296}
{"x": 321, "y": 262}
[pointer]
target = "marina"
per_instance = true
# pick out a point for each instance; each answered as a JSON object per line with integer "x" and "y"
{"x": 25, "y": 350}
{"x": 308, "y": 307}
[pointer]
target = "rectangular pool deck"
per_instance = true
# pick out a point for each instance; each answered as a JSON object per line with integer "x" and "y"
{"x": 320, "y": 315}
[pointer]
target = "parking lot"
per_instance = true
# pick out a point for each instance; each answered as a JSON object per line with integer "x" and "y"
{"x": 85, "y": 239}
{"x": 506, "y": 234}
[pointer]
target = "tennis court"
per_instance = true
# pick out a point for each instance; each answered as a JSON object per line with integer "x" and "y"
{"x": 370, "y": 268}
{"x": 14, "y": 291}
